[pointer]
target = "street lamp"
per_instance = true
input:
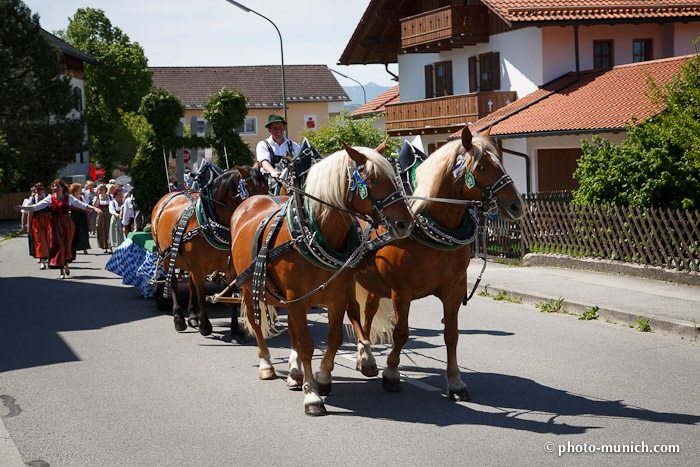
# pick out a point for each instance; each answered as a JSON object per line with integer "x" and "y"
{"x": 284, "y": 91}
{"x": 344, "y": 76}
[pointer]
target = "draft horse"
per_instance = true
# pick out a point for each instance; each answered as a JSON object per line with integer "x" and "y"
{"x": 203, "y": 242}
{"x": 434, "y": 260}
{"x": 349, "y": 183}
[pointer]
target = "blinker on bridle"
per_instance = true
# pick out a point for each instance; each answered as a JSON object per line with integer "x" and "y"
{"x": 359, "y": 184}
{"x": 488, "y": 193}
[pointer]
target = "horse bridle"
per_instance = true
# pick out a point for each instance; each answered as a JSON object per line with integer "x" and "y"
{"x": 378, "y": 206}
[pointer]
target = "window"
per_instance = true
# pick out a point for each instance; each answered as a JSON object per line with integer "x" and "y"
{"x": 641, "y": 50}
{"x": 438, "y": 79}
{"x": 602, "y": 54}
{"x": 249, "y": 127}
{"x": 203, "y": 127}
{"x": 485, "y": 72}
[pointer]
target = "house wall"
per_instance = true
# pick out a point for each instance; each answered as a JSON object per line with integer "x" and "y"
{"x": 668, "y": 40}
{"x": 531, "y": 146}
{"x": 81, "y": 163}
{"x": 521, "y": 70}
{"x": 683, "y": 36}
{"x": 323, "y": 111}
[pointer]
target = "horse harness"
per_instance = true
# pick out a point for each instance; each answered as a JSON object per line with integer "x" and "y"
{"x": 216, "y": 234}
{"x": 306, "y": 237}
{"x": 428, "y": 232}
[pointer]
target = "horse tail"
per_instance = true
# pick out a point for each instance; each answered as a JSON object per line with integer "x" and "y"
{"x": 267, "y": 330}
{"x": 383, "y": 323}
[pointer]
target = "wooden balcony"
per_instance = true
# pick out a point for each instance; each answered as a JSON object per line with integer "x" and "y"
{"x": 443, "y": 114}
{"x": 445, "y": 28}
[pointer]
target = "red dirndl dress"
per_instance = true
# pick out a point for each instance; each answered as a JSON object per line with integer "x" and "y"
{"x": 61, "y": 231}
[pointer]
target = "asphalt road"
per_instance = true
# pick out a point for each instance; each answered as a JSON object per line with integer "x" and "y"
{"x": 92, "y": 375}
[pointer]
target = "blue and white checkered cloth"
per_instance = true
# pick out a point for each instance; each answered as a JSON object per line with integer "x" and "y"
{"x": 136, "y": 266}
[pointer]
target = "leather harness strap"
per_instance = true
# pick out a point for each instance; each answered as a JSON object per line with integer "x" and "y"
{"x": 177, "y": 239}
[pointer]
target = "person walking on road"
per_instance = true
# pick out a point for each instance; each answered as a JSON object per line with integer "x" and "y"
{"x": 101, "y": 202}
{"x": 61, "y": 228}
{"x": 39, "y": 221}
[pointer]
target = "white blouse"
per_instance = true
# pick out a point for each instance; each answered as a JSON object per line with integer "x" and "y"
{"x": 72, "y": 202}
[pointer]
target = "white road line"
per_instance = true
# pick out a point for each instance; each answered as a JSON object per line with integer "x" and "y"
{"x": 9, "y": 454}
{"x": 404, "y": 378}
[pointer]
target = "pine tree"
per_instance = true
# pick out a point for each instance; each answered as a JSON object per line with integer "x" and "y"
{"x": 39, "y": 128}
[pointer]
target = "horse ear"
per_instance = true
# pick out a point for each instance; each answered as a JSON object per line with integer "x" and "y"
{"x": 380, "y": 149}
{"x": 466, "y": 138}
{"x": 487, "y": 132}
{"x": 354, "y": 154}
{"x": 245, "y": 173}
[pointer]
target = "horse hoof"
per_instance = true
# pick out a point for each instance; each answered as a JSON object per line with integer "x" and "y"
{"x": 369, "y": 371}
{"x": 193, "y": 322}
{"x": 460, "y": 396}
{"x": 180, "y": 325}
{"x": 391, "y": 385}
{"x": 267, "y": 373}
{"x": 293, "y": 384}
{"x": 324, "y": 389}
{"x": 238, "y": 337}
{"x": 315, "y": 410}
{"x": 205, "y": 328}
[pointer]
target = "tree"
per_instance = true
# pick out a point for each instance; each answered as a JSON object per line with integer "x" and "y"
{"x": 113, "y": 87}
{"x": 163, "y": 111}
{"x": 39, "y": 128}
{"x": 225, "y": 111}
{"x": 659, "y": 162}
{"x": 353, "y": 132}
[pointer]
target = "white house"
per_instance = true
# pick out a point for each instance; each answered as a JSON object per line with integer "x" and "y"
{"x": 461, "y": 60}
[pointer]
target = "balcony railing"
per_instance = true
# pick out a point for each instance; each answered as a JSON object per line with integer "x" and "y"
{"x": 443, "y": 114}
{"x": 446, "y": 27}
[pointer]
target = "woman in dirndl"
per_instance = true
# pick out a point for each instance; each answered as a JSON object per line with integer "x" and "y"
{"x": 101, "y": 202}
{"x": 39, "y": 221}
{"x": 61, "y": 228}
{"x": 81, "y": 239}
{"x": 116, "y": 231}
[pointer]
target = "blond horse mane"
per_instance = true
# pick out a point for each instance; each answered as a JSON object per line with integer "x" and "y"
{"x": 431, "y": 174}
{"x": 330, "y": 178}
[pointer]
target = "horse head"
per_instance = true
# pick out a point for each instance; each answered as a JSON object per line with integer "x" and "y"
{"x": 233, "y": 186}
{"x": 488, "y": 176}
{"x": 360, "y": 180}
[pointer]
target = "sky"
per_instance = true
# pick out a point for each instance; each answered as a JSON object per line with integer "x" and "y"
{"x": 216, "y": 33}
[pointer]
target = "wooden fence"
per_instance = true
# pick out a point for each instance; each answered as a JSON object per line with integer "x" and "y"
{"x": 649, "y": 236}
{"x": 7, "y": 200}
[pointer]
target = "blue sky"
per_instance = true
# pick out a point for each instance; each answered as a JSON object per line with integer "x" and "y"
{"x": 216, "y": 33}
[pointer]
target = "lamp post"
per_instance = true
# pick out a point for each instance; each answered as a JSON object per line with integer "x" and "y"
{"x": 353, "y": 79}
{"x": 284, "y": 91}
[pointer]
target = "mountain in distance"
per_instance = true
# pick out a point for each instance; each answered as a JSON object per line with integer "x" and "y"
{"x": 357, "y": 97}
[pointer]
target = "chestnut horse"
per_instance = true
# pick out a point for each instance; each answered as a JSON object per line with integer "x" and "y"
{"x": 353, "y": 180}
{"x": 420, "y": 266}
{"x": 202, "y": 255}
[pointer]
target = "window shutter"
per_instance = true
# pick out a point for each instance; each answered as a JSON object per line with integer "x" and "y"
{"x": 448, "y": 78}
{"x": 473, "y": 74}
{"x": 495, "y": 63}
{"x": 429, "y": 91}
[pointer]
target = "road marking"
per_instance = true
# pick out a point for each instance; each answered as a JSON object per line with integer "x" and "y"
{"x": 405, "y": 378}
{"x": 9, "y": 454}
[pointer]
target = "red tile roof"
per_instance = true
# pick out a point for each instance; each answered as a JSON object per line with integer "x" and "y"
{"x": 528, "y": 11}
{"x": 602, "y": 100}
{"x": 377, "y": 104}
{"x": 262, "y": 85}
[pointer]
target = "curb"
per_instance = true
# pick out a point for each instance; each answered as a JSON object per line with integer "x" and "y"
{"x": 615, "y": 267}
{"x": 685, "y": 330}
